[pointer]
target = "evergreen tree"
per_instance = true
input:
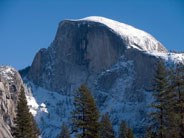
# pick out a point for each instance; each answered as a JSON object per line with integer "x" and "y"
{"x": 130, "y": 133}
{"x": 160, "y": 93}
{"x": 85, "y": 114}
{"x": 168, "y": 115}
{"x": 25, "y": 125}
{"x": 64, "y": 132}
{"x": 149, "y": 133}
{"x": 170, "y": 102}
{"x": 124, "y": 131}
{"x": 178, "y": 88}
{"x": 36, "y": 130}
{"x": 106, "y": 129}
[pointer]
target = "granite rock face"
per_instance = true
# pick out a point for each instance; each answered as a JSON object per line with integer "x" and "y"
{"x": 82, "y": 50}
{"x": 116, "y": 68}
{"x": 10, "y": 83}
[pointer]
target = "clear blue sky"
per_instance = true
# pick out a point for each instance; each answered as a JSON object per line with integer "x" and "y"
{"x": 28, "y": 25}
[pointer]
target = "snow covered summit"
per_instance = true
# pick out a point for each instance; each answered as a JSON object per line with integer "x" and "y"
{"x": 136, "y": 38}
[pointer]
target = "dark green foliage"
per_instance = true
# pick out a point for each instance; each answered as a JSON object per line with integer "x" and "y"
{"x": 124, "y": 131}
{"x": 25, "y": 124}
{"x": 106, "y": 129}
{"x": 85, "y": 114}
{"x": 130, "y": 133}
{"x": 64, "y": 132}
{"x": 178, "y": 106}
{"x": 159, "y": 105}
{"x": 35, "y": 127}
{"x": 168, "y": 115}
{"x": 150, "y": 133}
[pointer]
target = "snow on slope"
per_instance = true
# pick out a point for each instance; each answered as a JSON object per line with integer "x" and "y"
{"x": 136, "y": 38}
{"x": 50, "y": 109}
{"x": 170, "y": 57}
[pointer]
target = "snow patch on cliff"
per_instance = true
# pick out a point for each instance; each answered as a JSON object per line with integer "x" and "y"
{"x": 49, "y": 108}
{"x": 169, "y": 57}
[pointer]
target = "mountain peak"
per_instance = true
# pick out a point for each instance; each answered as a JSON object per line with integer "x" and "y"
{"x": 114, "y": 59}
{"x": 136, "y": 38}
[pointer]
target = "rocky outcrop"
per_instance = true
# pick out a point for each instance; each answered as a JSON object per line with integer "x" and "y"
{"x": 10, "y": 83}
